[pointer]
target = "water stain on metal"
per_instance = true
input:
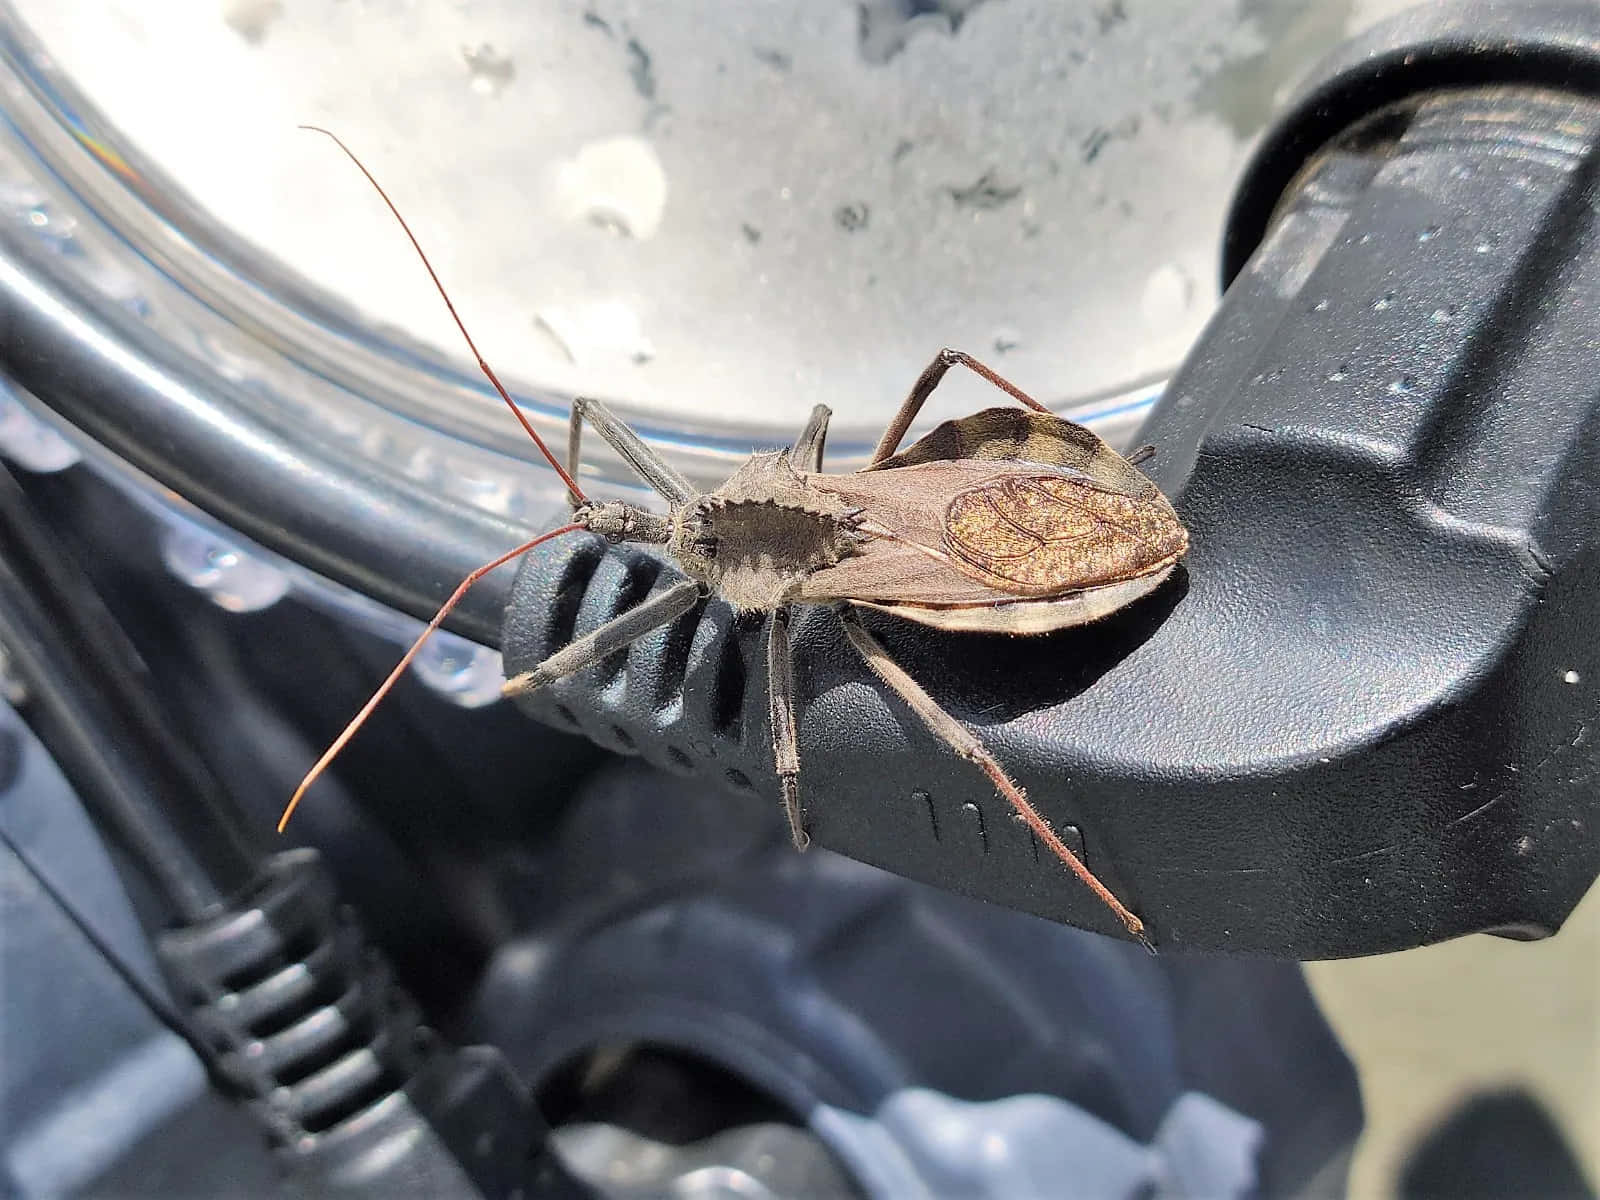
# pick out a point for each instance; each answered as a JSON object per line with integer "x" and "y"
{"x": 251, "y": 19}
{"x": 852, "y": 218}
{"x": 640, "y": 69}
{"x": 985, "y": 193}
{"x": 884, "y": 27}
{"x": 491, "y": 73}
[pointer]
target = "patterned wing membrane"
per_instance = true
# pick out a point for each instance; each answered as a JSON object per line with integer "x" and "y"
{"x": 1043, "y": 534}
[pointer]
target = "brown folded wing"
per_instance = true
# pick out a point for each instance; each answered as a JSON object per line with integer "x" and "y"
{"x": 969, "y": 532}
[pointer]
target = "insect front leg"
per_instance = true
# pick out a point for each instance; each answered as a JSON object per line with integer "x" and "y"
{"x": 780, "y": 707}
{"x": 574, "y": 446}
{"x": 616, "y": 634}
{"x": 965, "y": 743}
{"x": 923, "y": 388}
{"x": 807, "y": 452}
{"x": 645, "y": 462}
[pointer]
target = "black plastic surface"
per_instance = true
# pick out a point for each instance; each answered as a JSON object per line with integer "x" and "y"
{"x": 1364, "y": 717}
{"x": 1432, "y": 47}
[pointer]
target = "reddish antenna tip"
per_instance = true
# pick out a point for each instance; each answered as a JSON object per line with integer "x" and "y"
{"x": 384, "y": 688}
{"x": 483, "y": 365}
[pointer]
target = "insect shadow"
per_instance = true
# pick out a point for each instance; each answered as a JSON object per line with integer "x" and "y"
{"x": 993, "y": 678}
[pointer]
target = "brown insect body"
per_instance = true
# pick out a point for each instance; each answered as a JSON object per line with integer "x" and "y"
{"x": 953, "y": 543}
{"x": 759, "y": 538}
{"x": 1008, "y": 520}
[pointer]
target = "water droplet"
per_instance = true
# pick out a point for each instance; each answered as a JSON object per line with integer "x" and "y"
{"x": 28, "y": 441}
{"x": 1319, "y": 306}
{"x": 1443, "y": 316}
{"x": 234, "y": 580}
{"x": 482, "y": 491}
{"x": 1363, "y": 239}
{"x": 463, "y": 672}
{"x": 1168, "y": 293}
{"x": 1383, "y": 302}
{"x": 599, "y": 332}
{"x": 1571, "y": 677}
{"x": 1428, "y": 234}
{"x": 852, "y": 218}
{"x": 610, "y": 222}
{"x": 1403, "y": 386}
{"x": 251, "y": 19}
{"x": 616, "y": 184}
{"x": 489, "y": 73}
{"x": 1483, "y": 245}
{"x": 1340, "y": 373}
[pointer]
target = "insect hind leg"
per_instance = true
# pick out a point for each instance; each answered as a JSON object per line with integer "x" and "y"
{"x": 923, "y": 388}
{"x": 645, "y": 462}
{"x": 965, "y": 743}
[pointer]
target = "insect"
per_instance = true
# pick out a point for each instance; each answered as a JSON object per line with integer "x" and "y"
{"x": 1011, "y": 520}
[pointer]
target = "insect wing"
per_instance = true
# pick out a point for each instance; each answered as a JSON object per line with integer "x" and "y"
{"x": 1038, "y": 535}
{"x": 991, "y": 558}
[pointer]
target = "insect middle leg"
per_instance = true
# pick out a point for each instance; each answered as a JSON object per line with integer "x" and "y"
{"x": 645, "y": 462}
{"x": 780, "y": 708}
{"x": 923, "y": 388}
{"x": 965, "y": 743}
{"x": 616, "y": 634}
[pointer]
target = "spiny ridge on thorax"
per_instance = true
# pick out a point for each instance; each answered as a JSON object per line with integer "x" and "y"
{"x": 756, "y": 538}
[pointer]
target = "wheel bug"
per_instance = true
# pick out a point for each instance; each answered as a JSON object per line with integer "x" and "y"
{"x": 1012, "y": 520}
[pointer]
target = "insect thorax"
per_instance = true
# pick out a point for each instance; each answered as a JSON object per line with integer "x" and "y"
{"x": 756, "y": 538}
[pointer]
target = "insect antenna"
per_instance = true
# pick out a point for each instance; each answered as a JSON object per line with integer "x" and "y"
{"x": 483, "y": 365}
{"x": 360, "y": 719}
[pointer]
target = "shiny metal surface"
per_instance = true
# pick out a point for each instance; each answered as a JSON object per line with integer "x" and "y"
{"x": 713, "y": 215}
